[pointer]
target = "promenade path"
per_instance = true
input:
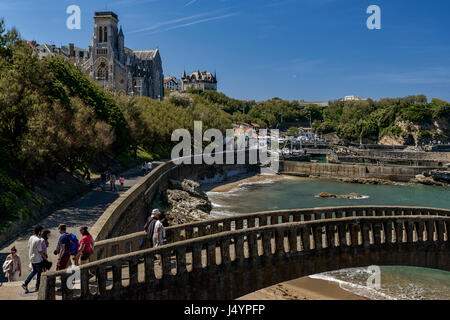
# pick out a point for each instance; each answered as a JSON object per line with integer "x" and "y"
{"x": 83, "y": 211}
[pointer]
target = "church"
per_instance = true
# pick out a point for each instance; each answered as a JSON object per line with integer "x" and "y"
{"x": 112, "y": 65}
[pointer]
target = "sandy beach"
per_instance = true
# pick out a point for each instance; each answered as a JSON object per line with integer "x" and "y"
{"x": 299, "y": 289}
{"x": 303, "y": 289}
{"x": 259, "y": 178}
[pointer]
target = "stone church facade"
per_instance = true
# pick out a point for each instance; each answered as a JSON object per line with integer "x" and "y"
{"x": 110, "y": 64}
{"x": 115, "y": 67}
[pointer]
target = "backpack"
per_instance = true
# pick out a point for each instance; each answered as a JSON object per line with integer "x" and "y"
{"x": 73, "y": 248}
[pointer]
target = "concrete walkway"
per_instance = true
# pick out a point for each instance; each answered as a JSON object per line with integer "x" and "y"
{"x": 83, "y": 211}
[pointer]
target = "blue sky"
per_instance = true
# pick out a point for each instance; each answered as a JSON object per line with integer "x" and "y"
{"x": 292, "y": 49}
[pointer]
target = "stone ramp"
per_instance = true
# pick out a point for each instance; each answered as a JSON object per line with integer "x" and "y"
{"x": 14, "y": 291}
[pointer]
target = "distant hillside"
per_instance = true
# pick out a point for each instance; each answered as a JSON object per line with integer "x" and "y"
{"x": 408, "y": 120}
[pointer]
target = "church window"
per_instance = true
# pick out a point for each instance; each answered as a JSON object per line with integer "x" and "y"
{"x": 106, "y": 34}
{"x": 102, "y": 71}
{"x": 100, "y": 34}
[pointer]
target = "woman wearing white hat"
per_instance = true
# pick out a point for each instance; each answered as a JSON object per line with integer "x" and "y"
{"x": 150, "y": 225}
{"x": 159, "y": 233}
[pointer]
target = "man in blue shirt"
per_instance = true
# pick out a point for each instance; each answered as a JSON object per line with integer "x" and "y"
{"x": 63, "y": 248}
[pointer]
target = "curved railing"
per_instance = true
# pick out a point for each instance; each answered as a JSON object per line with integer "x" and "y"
{"x": 138, "y": 241}
{"x": 230, "y": 264}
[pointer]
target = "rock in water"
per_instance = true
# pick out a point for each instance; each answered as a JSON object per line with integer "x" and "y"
{"x": 351, "y": 195}
{"x": 326, "y": 195}
{"x": 188, "y": 203}
{"x": 193, "y": 188}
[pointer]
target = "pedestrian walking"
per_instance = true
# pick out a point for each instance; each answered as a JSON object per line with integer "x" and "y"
{"x": 86, "y": 246}
{"x": 12, "y": 266}
{"x": 122, "y": 181}
{"x": 46, "y": 265}
{"x": 103, "y": 180}
{"x": 67, "y": 247}
{"x": 144, "y": 168}
{"x": 36, "y": 256}
{"x": 159, "y": 232}
{"x": 149, "y": 226}
{"x": 112, "y": 182}
{"x": 149, "y": 167}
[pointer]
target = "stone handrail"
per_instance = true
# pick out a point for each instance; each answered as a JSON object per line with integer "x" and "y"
{"x": 138, "y": 241}
{"x": 231, "y": 264}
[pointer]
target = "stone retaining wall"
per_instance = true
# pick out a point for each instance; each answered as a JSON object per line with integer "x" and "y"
{"x": 329, "y": 170}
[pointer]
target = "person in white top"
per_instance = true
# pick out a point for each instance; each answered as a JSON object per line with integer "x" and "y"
{"x": 159, "y": 233}
{"x": 36, "y": 255}
{"x": 149, "y": 167}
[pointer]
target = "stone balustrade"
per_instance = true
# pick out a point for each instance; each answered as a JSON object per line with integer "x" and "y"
{"x": 138, "y": 241}
{"x": 230, "y": 264}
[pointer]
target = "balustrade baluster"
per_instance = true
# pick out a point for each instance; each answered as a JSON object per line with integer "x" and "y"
{"x": 211, "y": 254}
{"x": 239, "y": 224}
{"x": 188, "y": 232}
{"x": 387, "y": 227}
{"x": 225, "y": 251}
{"x": 100, "y": 274}
{"x": 440, "y": 230}
{"x": 251, "y": 222}
{"x": 365, "y": 234}
{"x": 252, "y": 245}
{"x": 166, "y": 257}
{"x": 84, "y": 283}
{"x": 239, "y": 248}
{"x": 197, "y": 257}
{"x": 273, "y": 219}
{"x": 201, "y": 230}
{"x": 430, "y": 231}
{"x": 420, "y": 227}
{"x": 267, "y": 245}
{"x": 306, "y": 238}
{"x": 354, "y": 234}
{"x": 181, "y": 260}
{"x": 263, "y": 221}
{"x": 342, "y": 231}
{"x": 67, "y": 288}
{"x": 399, "y": 231}
{"x": 227, "y": 225}
{"x": 214, "y": 227}
{"x": 292, "y": 236}
{"x": 376, "y": 231}
{"x": 318, "y": 241}
{"x": 117, "y": 276}
{"x": 409, "y": 225}
{"x": 447, "y": 230}
{"x": 49, "y": 285}
{"x": 330, "y": 233}
{"x": 279, "y": 242}
{"x": 149, "y": 268}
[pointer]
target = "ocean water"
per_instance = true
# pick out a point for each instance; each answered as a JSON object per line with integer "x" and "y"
{"x": 397, "y": 282}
